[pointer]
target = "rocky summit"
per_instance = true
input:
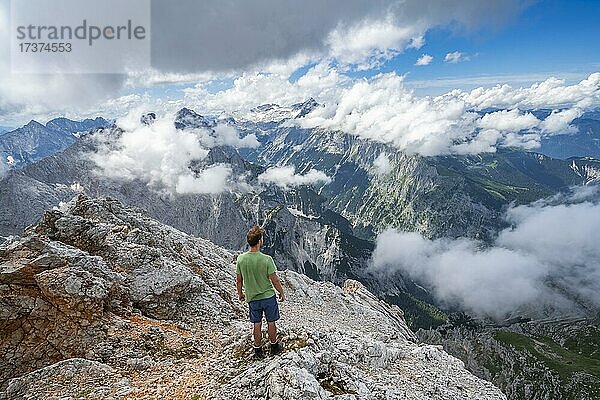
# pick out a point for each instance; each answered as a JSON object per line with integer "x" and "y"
{"x": 100, "y": 301}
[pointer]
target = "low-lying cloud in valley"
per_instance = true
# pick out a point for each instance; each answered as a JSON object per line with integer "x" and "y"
{"x": 286, "y": 177}
{"x": 382, "y": 164}
{"x": 166, "y": 158}
{"x": 549, "y": 257}
{"x": 172, "y": 160}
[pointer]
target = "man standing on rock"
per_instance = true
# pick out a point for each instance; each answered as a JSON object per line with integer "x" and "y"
{"x": 256, "y": 273}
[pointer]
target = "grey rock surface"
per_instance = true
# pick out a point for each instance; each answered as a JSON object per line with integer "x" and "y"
{"x": 146, "y": 311}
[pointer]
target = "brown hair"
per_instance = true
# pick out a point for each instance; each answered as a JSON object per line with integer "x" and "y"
{"x": 254, "y": 235}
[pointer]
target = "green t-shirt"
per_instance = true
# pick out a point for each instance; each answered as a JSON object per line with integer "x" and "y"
{"x": 255, "y": 268}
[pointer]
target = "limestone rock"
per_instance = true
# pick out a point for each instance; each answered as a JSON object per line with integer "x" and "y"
{"x": 100, "y": 301}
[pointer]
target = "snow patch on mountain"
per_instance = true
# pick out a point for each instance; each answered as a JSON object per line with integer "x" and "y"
{"x": 275, "y": 113}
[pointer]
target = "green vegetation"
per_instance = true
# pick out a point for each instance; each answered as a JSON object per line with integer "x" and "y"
{"x": 417, "y": 313}
{"x": 508, "y": 175}
{"x": 493, "y": 164}
{"x": 557, "y": 358}
{"x": 499, "y": 190}
{"x": 586, "y": 343}
{"x": 444, "y": 171}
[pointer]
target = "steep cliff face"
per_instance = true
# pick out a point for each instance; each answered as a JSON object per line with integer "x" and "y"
{"x": 444, "y": 196}
{"x": 100, "y": 300}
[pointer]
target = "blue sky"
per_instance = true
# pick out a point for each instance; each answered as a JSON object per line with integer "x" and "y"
{"x": 548, "y": 38}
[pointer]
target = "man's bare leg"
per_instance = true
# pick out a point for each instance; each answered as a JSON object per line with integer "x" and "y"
{"x": 257, "y": 332}
{"x": 272, "y": 331}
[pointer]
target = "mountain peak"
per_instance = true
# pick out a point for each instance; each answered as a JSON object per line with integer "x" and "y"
{"x": 33, "y": 124}
{"x": 273, "y": 112}
{"x": 186, "y": 118}
{"x": 148, "y": 118}
{"x": 305, "y": 107}
{"x": 185, "y": 111}
{"x": 265, "y": 107}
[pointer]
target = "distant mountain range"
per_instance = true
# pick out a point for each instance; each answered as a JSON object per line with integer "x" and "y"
{"x": 328, "y": 232}
{"x": 445, "y": 196}
{"x": 35, "y": 141}
{"x": 584, "y": 143}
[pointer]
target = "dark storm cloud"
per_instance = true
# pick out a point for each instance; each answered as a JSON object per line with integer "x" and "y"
{"x": 192, "y": 36}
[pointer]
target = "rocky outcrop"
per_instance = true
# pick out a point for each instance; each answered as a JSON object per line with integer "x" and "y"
{"x": 53, "y": 298}
{"x": 69, "y": 274}
{"x": 347, "y": 342}
{"x": 99, "y": 300}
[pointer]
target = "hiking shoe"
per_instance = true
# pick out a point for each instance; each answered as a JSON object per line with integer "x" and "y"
{"x": 276, "y": 348}
{"x": 258, "y": 352}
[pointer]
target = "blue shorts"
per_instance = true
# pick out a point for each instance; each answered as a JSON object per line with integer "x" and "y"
{"x": 267, "y": 306}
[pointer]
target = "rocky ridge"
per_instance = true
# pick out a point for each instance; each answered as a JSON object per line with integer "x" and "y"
{"x": 100, "y": 301}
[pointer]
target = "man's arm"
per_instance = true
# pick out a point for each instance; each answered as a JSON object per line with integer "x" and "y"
{"x": 277, "y": 283}
{"x": 239, "y": 280}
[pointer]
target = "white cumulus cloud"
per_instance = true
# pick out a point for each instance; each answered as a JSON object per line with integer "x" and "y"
{"x": 559, "y": 121}
{"x": 322, "y": 82}
{"x": 383, "y": 109}
{"x": 508, "y": 120}
{"x": 380, "y": 39}
{"x": 425, "y": 59}
{"x": 456, "y": 57}
{"x": 226, "y": 135}
{"x": 162, "y": 156}
{"x": 551, "y": 93}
